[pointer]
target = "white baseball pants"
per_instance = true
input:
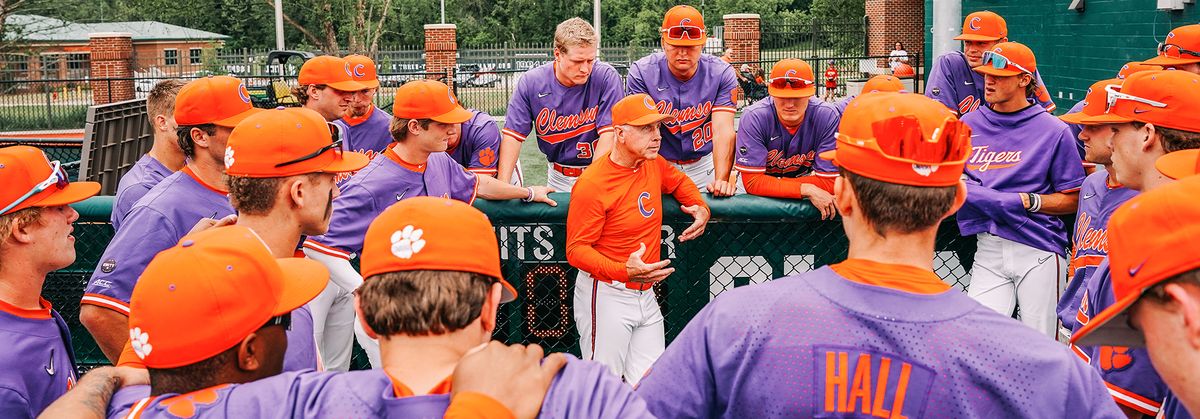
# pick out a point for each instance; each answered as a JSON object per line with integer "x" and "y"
{"x": 1007, "y": 274}
{"x": 703, "y": 172}
{"x": 618, "y": 327}
{"x": 559, "y": 181}
{"x": 335, "y": 325}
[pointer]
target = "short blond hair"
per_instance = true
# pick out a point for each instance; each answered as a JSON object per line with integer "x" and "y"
{"x": 17, "y": 220}
{"x": 574, "y": 32}
{"x": 161, "y": 100}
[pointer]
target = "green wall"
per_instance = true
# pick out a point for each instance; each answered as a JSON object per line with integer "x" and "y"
{"x": 1075, "y": 49}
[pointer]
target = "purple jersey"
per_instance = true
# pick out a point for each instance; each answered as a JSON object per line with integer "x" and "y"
{"x": 819, "y": 345}
{"x": 383, "y": 182}
{"x": 144, "y": 174}
{"x": 960, "y": 88}
{"x": 566, "y": 120}
{"x": 582, "y": 389}
{"x": 155, "y": 223}
{"x": 39, "y": 365}
{"x": 1028, "y": 151}
{"x": 1172, "y": 408}
{"x": 1131, "y": 379}
{"x": 691, "y": 103}
{"x": 478, "y": 145}
{"x": 1097, "y": 201}
{"x": 841, "y": 104}
{"x": 764, "y": 145}
{"x": 302, "y": 344}
{"x": 368, "y": 135}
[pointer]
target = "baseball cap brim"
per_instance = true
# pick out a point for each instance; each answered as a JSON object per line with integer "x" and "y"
{"x": 347, "y": 86}
{"x": 457, "y": 115}
{"x": 1076, "y": 118}
{"x": 792, "y": 93}
{"x": 1111, "y": 327}
{"x": 685, "y": 42}
{"x": 648, "y": 119}
{"x": 304, "y": 280}
{"x": 1179, "y": 164}
{"x": 1106, "y": 118}
{"x": 351, "y": 161}
{"x": 976, "y": 37}
{"x": 1163, "y": 60}
{"x": 370, "y": 84}
{"x": 74, "y": 192}
{"x": 232, "y": 121}
{"x": 987, "y": 69}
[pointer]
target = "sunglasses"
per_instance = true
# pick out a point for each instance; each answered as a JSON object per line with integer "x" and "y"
{"x": 1175, "y": 51}
{"x": 283, "y": 320}
{"x": 58, "y": 178}
{"x": 1000, "y": 62}
{"x": 789, "y": 82}
{"x": 335, "y": 133}
{"x": 1114, "y": 95}
{"x": 949, "y": 143}
{"x": 681, "y": 32}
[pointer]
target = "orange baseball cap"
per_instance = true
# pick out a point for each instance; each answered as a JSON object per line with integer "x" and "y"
{"x": 1181, "y": 47}
{"x": 433, "y": 234}
{"x": 683, "y": 26}
{"x": 983, "y": 26}
{"x": 636, "y": 110}
{"x": 901, "y": 138}
{"x": 210, "y": 291}
{"x": 1093, "y": 103}
{"x": 34, "y": 181}
{"x": 1015, "y": 57}
{"x": 220, "y": 100}
{"x": 791, "y": 78}
{"x": 362, "y": 70}
{"x": 1135, "y": 67}
{"x": 428, "y": 99}
{"x": 883, "y": 83}
{"x": 330, "y": 71}
{"x": 1148, "y": 238}
{"x": 1179, "y": 164}
{"x": 1166, "y": 98}
{"x": 286, "y": 142}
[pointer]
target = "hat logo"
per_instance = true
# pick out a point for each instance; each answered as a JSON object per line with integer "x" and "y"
{"x": 924, "y": 170}
{"x": 974, "y": 25}
{"x": 407, "y": 242}
{"x": 790, "y": 74}
{"x": 346, "y": 68}
{"x": 243, "y": 93}
{"x": 648, "y": 102}
{"x": 450, "y": 95}
{"x": 685, "y": 21}
{"x": 228, "y": 157}
{"x": 359, "y": 70}
{"x": 141, "y": 342}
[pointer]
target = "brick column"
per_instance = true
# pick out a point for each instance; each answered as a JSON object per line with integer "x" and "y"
{"x": 742, "y": 33}
{"x": 896, "y": 20}
{"x": 111, "y": 58}
{"x": 441, "y": 49}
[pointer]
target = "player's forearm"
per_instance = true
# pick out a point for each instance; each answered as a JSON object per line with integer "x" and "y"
{"x": 689, "y": 196}
{"x": 494, "y": 189}
{"x": 109, "y": 328}
{"x": 89, "y": 398}
{"x": 586, "y": 258}
{"x": 510, "y": 149}
{"x": 603, "y": 145}
{"x": 722, "y": 154}
{"x": 1060, "y": 203}
{"x": 762, "y": 184}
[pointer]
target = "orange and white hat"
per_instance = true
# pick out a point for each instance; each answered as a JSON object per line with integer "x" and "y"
{"x": 637, "y": 110}
{"x": 1148, "y": 238}
{"x": 883, "y": 83}
{"x": 1182, "y": 46}
{"x": 330, "y": 71}
{"x": 1008, "y": 59}
{"x": 983, "y": 26}
{"x": 286, "y": 142}
{"x": 362, "y": 70}
{"x": 428, "y": 99}
{"x": 32, "y": 180}
{"x": 220, "y": 100}
{"x": 210, "y": 291}
{"x": 433, "y": 234}
{"x": 1093, "y": 103}
{"x": 790, "y": 78}
{"x": 1135, "y": 67}
{"x": 1166, "y": 98}
{"x": 901, "y": 138}
{"x": 1179, "y": 164}
{"x": 683, "y": 26}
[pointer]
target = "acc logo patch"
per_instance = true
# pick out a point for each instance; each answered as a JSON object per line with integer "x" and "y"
{"x": 743, "y": 150}
{"x": 108, "y": 266}
{"x": 937, "y": 91}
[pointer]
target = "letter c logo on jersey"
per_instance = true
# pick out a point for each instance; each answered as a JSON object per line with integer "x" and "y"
{"x": 974, "y": 25}
{"x": 359, "y": 70}
{"x": 645, "y": 196}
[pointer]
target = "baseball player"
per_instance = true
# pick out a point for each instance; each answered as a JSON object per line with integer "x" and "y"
{"x": 614, "y": 234}
{"x": 1076, "y": 128}
{"x": 567, "y": 103}
{"x": 780, "y": 136}
{"x": 1154, "y": 286}
{"x": 164, "y": 157}
{"x": 952, "y": 80}
{"x": 474, "y": 145}
{"x": 365, "y": 124}
{"x": 878, "y": 335}
{"x": 426, "y": 116}
{"x": 696, "y": 90}
{"x": 327, "y": 86}
{"x": 1181, "y": 51}
{"x": 206, "y": 111}
{"x": 1024, "y": 170}
{"x": 831, "y": 75}
{"x": 880, "y": 83}
{"x": 35, "y": 239}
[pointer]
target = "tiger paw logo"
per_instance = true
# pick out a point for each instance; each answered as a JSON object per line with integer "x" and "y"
{"x": 1115, "y": 358}
{"x": 141, "y": 342}
{"x": 407, "y": 242}
{"x": 228, "y": 157}
{"x": 184, "y": 405}
{"x": 487, "y": 156}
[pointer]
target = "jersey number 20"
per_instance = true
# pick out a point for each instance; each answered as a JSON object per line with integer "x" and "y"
{"x": 702, "y": 136}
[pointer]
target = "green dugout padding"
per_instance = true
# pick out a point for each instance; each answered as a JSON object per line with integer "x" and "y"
{"x": 749, "y": 240}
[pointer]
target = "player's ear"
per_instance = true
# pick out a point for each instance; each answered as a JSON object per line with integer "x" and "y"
{"x": 248, "y": 353}
{"x": 1149, "y": 143}
{"x": 21, "y": 233}
{"x": 960, "y": 197}
{"x": 362, "y": 320}
{"x": 294, "y": 188}
{"x": 413, "y": 126}
{"x": 843, "y": 196}
{"x": 1181, "y": 300}
{"x": 491, "y": 306}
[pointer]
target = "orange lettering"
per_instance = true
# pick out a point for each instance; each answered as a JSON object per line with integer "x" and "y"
{"x": 901, "y": 390}
{"x": 881, "y": 389}
{"x": 835, "y": 377}
{"x": 861, "y": 388}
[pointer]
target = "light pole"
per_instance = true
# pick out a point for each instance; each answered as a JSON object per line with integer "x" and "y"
{"x": 443, "y": 3}
{"x": 279, "y": 24}
{"x": 596, "y": 23}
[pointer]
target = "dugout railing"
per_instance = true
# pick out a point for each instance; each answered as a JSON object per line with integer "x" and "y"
{"x": 749, "y": 240}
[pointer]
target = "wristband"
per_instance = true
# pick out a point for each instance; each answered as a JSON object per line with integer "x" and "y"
{"x": 530, "y": 197}
{"x": 1035, "y": 202}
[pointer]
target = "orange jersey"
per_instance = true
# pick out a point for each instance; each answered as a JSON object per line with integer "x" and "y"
{"x": 615, "y": 208}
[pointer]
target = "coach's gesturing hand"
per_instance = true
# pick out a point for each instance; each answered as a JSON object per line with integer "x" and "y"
{"x": 700, "y": 220}
{"x": 640, "y": 271}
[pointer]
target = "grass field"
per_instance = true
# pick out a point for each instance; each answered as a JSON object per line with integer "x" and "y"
{"x": 533, "y": 163}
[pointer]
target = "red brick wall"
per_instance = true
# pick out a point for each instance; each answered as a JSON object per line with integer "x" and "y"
{"x": 111, "y": 57}
{"x": 441, "y": 47}
{"x": 742, "y": 32}
{"x": 896, "y": 20}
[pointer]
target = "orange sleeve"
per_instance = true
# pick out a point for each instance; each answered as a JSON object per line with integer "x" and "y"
{"x": 585, "y": 218}
{"x": 476, "y": 406}
{"x": 129, "y": 358}
{"x": 679, "y": 185}
{"x": 776, "y": 187}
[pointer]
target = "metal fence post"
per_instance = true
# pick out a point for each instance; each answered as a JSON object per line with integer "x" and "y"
{"x": 866, "y": 35}
{"x": 49, "y": 124}
{"x": 812, "y": 39}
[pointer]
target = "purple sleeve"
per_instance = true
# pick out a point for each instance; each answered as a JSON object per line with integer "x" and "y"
{"x": 145, "y": 233}
{"x": 518, "y": 120}
{"x": 124, "y": 399}
{"x": 827, "y": 140}
{"x": 1087, "y": 395}
{"x": 485, "y": 143}
{"x": 940, "y": 87}
{"x": 724, "y": 100}
{"x": 751, "y": 140}
{"x": 125, "y": 200}
{"x": 1042, "y": 96}
{"x": 15, "y": 405}
{"x": 612, "y": 93}
{"x": 681, "y": 383}
{"x": 1066, "y": 170}
{"x": 353, "y": 212}
{"x": 463, "y": 185}
{"x": 585, "y": 389}
{"x": 1131, "y": 379}
{"x": 634, "y": 83}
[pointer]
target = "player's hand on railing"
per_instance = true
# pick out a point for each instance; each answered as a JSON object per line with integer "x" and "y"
{"x": 722, "y": 188}
{"x": 640, "y": 271}
{"x": 542, "y": 194}
{"x": 209, "y": 223}
{"x": 515, "y": 375}
{"x": 700, "y": 215}
{"x": 821, "y": 199}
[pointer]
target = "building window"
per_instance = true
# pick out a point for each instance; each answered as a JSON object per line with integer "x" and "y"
{"x": 194, "y": 56}
{"x": 78, "y": 65}
{"x": 171, "y": 57}
{"x": 50, "y": 64}
{"x": 14, "y": 67}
